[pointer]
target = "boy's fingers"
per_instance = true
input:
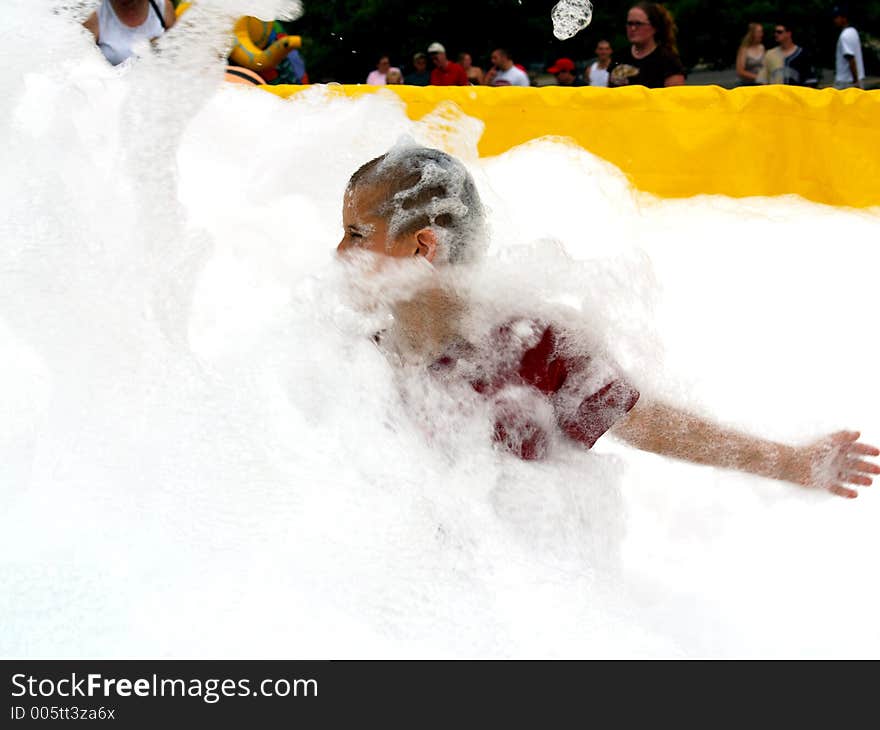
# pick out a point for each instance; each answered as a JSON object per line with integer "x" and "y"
{"x": 842, "y": 491}
{"x": 865, "y": 449}
{"x": 842, "y": 437}
{"x": 865, "y": 467}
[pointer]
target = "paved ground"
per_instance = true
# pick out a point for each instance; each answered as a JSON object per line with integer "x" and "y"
{"x": 728, "y": 79}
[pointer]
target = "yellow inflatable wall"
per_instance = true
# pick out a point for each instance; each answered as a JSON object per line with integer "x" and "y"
{"x": 823, "y": 145}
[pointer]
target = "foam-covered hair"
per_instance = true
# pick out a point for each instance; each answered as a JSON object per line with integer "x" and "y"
{"x": 427, "y": 188}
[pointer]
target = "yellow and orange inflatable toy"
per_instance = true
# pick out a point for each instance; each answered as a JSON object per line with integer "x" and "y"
{"x": 257, "y": 47}
{"x": 254, "y": 47}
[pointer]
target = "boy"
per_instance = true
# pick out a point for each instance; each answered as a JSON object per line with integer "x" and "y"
{"x": 541, "y": 381}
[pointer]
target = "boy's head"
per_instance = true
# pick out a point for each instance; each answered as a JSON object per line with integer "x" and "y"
{"x": 414, "y": 201}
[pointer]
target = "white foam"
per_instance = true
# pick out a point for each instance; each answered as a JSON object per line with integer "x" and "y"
{"x": 570, "y": 17}
{"x": 204, "y": 454}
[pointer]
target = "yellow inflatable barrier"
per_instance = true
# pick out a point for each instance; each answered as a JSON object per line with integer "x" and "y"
{"x": 823, "y": 145}
{"x": 251, "y": 39}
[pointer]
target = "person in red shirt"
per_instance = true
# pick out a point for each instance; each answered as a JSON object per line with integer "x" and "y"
{"x": 446, "y": 72}
{"x": 541, "y": 382}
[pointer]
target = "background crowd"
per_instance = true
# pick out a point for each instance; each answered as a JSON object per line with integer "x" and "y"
{"x": 644, "y": 45}
{"x": 649, "y": 57}
{"x": 708, "y": 38}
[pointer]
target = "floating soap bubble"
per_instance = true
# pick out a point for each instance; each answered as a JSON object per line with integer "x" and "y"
{"x": 570, "y": 17}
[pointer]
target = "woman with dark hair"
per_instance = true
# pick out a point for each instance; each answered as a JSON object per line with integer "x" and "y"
{"x": 652, "y": 58}
{"x": 750, "y": 57}
{"x": 542, "y": 381}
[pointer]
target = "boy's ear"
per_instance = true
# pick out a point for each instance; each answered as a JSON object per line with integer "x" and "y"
{"x": 426, "y": 242}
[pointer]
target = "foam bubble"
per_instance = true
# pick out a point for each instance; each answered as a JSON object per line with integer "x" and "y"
{"x": 570, "y": 17}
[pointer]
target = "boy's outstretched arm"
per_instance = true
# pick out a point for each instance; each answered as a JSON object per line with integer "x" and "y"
{"x": 831, "y": 463}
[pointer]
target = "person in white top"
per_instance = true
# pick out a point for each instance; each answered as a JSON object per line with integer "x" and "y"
{"x": 119, "y": 25}
{"x": 504, "y": 72}
{"x": 849, "y": 68}
{"x": 597, "y": 73}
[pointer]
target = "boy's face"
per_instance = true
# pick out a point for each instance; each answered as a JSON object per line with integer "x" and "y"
{"x": 364, "y": 230}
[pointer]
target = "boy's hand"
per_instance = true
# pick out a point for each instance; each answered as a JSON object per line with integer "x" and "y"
{"x": 836, "y": 461}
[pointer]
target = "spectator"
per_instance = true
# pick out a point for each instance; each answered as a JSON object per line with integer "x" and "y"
{"x": 446, "y": 72}
{"x": 563, "y": 70}
{"x": 538, "y": 377}
{"x": 849, "y": 67}
{"x": 750, "y": 57}
{"x": 394, "y": 76}
{"x": 379, "y": 77}
{"x": 597, "y": 73}
{"x": 420, "y": 75}
{"x": 787, "y": 63}
{"x": 652, "y": 58}
{"x": 474, "y": 73}
{"x": 504, "y": 71}
{"x": 119, "y": 25}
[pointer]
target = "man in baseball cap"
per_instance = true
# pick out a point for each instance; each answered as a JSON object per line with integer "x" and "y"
{"x": 446, "y": 72}
{"x": 563, "y": 70}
